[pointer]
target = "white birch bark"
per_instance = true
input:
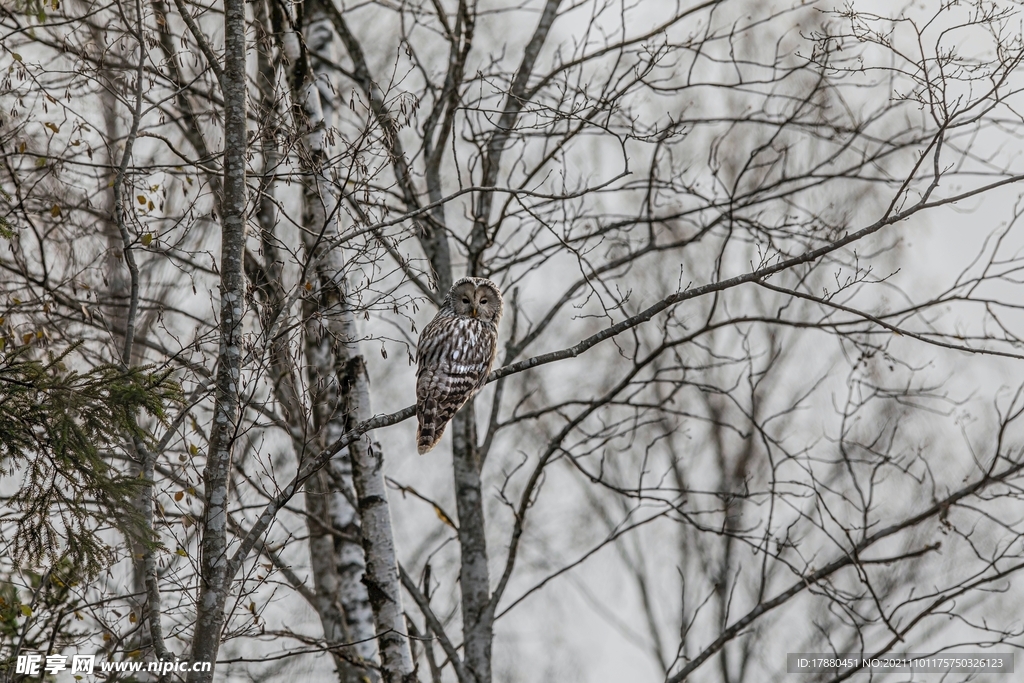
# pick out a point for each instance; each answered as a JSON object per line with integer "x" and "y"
{"x": 333, "y": 597}
{"x": 382, "y": 577}
{"x": 337, "y": 562}
{"x": 341, "y": 573}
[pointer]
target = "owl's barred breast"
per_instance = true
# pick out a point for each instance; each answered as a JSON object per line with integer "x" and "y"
{"x": 458, "y": 349}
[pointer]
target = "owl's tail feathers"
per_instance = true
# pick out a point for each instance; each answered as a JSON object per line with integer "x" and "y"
{"x": 432, "y": 416}
{"x": 427, "y": 435}
{"x": 430, "y": 425}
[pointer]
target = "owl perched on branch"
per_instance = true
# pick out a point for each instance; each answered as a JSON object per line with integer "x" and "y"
{"x": 454, "y": 355}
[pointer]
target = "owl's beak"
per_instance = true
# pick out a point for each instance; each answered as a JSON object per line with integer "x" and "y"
{"x": 473, "y": 313}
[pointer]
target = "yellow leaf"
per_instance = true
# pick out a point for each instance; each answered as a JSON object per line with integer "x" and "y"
{"x": 150, "y": 206}
{"x": 78, "y": 615}
{"x": 192, "y": 449}
{"x": 16, "y": 56}
{"x": 26, "y": 610}
{"x": 179, "y": 495}
{"x": 26, "y": 338}
{"x": 443, "y": 517}
{"x": 191, "y": 490}
{"x": 308, "y": 286}
{"x": 134, "y": 654}
{"x": 181, "y": 551}
{"x": 106, "y": 636}
{"x": 132, "y": 618}
{"x": 40, "y": 162}
{"x": 2, "y": 319}
{"x": 52, "y": 126}
{"x": 39, "y": 334}
{"x": 141, "y": 198}
{"x": 147, "y": 239}
{"x": 55, "y": 211}
{"x": 22, "y": 147}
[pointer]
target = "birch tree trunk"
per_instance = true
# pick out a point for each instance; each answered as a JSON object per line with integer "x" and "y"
{"x": 336, "y": 561}
{"x": 215, "y": 579}
{"x": 382, "y": 578}
{"x": 344, "y": 603}
{"x": 336, "y": 555}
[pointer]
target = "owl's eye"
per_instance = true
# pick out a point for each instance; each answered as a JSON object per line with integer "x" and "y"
{"x": 465, "y": 300}
{"x": 483, "y": 301}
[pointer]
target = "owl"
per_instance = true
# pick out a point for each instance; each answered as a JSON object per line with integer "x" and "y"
{"x": 454, "y": 355}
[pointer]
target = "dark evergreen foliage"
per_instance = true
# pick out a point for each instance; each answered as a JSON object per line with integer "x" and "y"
{"x": 58, "y": 431}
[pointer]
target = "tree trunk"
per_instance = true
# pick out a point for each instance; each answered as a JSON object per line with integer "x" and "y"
{"x": 381, "y": 577}
{"x": 477, "y": 616}
{"x": 344, "y": 603}
{"x": 214, "y": 576}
